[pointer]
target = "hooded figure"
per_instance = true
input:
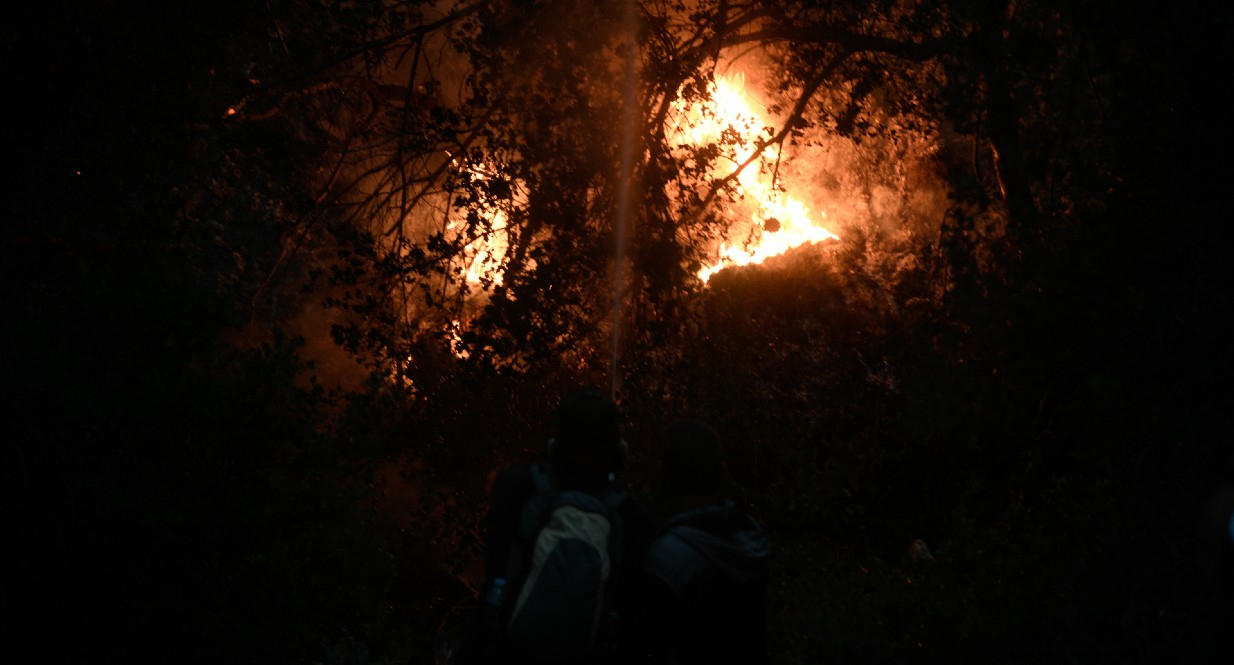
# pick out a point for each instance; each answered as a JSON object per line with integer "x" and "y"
{"x": 701, "y": 593}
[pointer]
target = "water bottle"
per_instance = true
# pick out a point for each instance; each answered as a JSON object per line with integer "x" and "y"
{"x": 496, "y": 595}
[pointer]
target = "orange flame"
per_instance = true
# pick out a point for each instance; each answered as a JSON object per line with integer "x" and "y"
{"x": 483, "y": 255}
{"x": 778, "y": 222}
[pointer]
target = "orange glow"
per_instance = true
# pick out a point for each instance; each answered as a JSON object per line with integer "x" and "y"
{"x": 453, "y": 333}
{"x": 484, "y": 254}
{"x": 777, "y": 222}
{"x": 768, "y": 220}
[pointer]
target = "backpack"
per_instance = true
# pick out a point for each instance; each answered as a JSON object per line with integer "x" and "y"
{"x": 564, "y": 560}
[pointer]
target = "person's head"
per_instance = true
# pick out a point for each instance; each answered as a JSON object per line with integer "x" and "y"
{"x": 693, "y": 458}
{"x": 588, "y": 430}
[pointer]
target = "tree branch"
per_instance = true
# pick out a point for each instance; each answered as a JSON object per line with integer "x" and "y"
{"x": 793, "y": 118}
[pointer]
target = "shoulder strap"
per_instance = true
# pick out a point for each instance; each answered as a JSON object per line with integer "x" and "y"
{"x": 520, "y": 549}
{"x": 616, "y": 541}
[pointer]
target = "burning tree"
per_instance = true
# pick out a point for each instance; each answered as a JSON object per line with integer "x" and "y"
{"x": 477, "y": 175}
{"x": 475, "y": 155}
{"x": 958, "y": 152}
{"x": 930, "y": 199}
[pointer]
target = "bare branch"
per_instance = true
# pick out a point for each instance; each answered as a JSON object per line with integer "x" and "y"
{"x": 794, "y": 116}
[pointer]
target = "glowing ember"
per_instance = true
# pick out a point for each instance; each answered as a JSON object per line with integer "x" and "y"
{"x": 775, "y": 239}
{"x": 778, "y": 222}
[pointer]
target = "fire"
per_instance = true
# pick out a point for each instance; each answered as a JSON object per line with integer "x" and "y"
{"x": 483, "y": 255}
{"x": 777, "y": 222}
{"x": 769, "y": 220}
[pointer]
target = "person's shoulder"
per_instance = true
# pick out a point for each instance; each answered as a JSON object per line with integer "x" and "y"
{"x": 672, "y": 560}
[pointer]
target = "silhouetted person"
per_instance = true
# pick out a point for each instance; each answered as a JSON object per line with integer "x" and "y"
{"x": 544, "y": 539}
{"x": 701, "y": 595}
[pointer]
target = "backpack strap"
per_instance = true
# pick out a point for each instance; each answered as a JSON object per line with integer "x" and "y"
{"x": 607, "y": 635}
{"x": 616, "y": 541}
{"x": 520, "y": 549}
